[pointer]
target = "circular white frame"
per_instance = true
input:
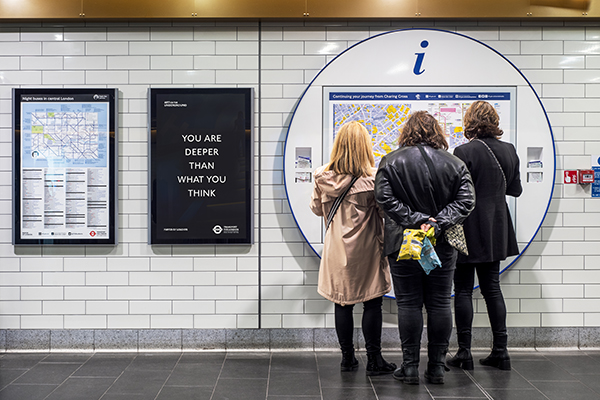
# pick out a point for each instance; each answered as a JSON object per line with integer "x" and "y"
{"x": 449, "y": 60}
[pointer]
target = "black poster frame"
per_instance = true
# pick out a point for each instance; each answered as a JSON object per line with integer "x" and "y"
{"x": 165, "y": 149}
{"x": 58, "y": 96}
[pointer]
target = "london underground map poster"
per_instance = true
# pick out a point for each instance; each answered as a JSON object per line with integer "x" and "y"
{"x": 65, "y": 166}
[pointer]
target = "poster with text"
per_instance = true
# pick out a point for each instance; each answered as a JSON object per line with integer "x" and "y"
{"x": 65, "y": 166}
{"x": 201, "y": 156}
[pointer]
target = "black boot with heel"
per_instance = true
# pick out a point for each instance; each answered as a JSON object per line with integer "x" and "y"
{"x": 462, "y": 359}
{"x": 498, "y": 358}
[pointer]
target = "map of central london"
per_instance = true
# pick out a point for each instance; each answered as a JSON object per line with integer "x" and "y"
{"x": 70, "y": 135}
{"x": 385, "y": 120}
{"x": 65, "y": 133}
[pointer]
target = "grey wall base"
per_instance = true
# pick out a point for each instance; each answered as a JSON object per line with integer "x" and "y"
{"x": 264, "y": 339}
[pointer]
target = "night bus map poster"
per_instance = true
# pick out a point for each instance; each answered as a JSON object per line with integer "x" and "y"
{"x": 65, "y": 166}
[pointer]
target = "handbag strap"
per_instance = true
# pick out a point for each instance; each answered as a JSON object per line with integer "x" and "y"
{"x": 495, "y": 159}
{"x": 338, "y": 202}
{"x": 430, "y": 167}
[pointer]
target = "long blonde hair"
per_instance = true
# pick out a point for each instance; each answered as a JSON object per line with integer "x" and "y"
{"x": 352, "y": 151}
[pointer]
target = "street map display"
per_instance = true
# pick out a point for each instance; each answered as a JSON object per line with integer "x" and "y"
{"x": 384, "y": 113}
{"x": 65, "y": 171}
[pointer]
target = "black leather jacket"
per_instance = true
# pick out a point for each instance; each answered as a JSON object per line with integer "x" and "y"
{"x": 403, "y": 189}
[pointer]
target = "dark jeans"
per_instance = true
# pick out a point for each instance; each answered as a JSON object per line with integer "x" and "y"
{"x": 413, "y": 289}
{"x": 489, "y": 282}
{"x": 371, "y": 325}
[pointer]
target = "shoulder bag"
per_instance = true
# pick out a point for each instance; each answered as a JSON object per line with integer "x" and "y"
{"x": 338, "y": 202}
{"x": 455, "y": 235}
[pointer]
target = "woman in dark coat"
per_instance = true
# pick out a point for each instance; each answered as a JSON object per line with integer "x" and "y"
{"x": 494, "y": 166}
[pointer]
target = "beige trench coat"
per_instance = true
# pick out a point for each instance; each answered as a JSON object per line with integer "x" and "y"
{"x": 352, "y": 268}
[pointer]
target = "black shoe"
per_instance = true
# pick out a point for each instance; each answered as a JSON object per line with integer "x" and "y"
{"x": 436, "y": 364}
{"x": 349, "y": 362}
{"x": 407, "y": 374}
{"x": 376, "y": 365}
{"x": 497, "y": 359}
{"x": 462, "y": 359}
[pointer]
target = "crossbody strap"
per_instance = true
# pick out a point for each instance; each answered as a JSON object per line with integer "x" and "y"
{"x": 496, "y": 159}
{"x": 338, "y": 202}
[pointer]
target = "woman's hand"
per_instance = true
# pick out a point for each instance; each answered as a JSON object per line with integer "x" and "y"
{"x": 425, "y": 227}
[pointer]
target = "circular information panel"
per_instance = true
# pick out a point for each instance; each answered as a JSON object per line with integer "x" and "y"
{"x": 381, "y": 80}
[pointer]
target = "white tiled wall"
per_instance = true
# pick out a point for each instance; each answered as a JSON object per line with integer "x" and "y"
{"x": 136, "y": 286}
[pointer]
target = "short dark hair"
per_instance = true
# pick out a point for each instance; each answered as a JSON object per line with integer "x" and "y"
{"x": 423, "y": 128}
{"x": 481, "y": 120}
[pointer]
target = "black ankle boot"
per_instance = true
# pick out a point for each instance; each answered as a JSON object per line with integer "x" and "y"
{"x": 409, "y": 370}
{"x": 376, "y": 365}
{"x": 436, "y": 367}
{"x": 498, "y": 358}
{"x": 462, "y": 359}
{"x": 349, "y": 361}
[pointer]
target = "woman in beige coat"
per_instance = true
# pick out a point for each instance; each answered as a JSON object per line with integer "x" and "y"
{"x": 353, "y": 269}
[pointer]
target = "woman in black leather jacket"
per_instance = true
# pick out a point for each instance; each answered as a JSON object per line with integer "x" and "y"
{"x": 404, "y": 189}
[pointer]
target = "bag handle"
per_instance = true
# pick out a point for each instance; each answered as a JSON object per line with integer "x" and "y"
{"x": 338, "y": 202}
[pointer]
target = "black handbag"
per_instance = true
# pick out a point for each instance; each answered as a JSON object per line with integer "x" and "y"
{"x": 455, "y": 235}
{"x": 338, "y": 202}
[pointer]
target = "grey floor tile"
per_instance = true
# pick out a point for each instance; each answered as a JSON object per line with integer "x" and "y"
{"x": 455, "y": 385}
{"x": 349, "y": 394}
{"x": 576, "y": 363}
{"x": 566, "y": 390}
{"x": 294, "y": 362}
{"x": 250, "y": 389}
{"x": 516, "y": 394}
{"x": 81, "y": 389}
{"x": 185, "y": 393}
{"x": 195, "y": 375}
{"x": 140, "y": 383}
{"x": 9, "y": 375}
{"x": 154, "y": 361}
{"x": 29, "y": 392}
{"x": 540, "y": 369}
{"x": 19, "y": 360}
{"x": 48, "y": 374}
{"x": 104, "y": 365}
{"x": 248, "y": 367}
{"x": 294, "y": 383}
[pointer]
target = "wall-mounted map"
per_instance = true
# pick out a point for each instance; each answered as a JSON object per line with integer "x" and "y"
{"x": 384, "y": 111}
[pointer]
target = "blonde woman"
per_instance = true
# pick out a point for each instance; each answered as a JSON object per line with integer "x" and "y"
{"x": 353, "y": 269}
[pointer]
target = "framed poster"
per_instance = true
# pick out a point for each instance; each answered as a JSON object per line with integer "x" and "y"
{"x": 201, "y": 157}
{"x": 65, "y": 166}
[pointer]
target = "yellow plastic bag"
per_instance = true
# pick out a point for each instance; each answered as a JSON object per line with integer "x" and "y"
{"x": 412, "y": 243}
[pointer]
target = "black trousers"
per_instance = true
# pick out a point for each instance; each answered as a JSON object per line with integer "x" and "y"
{"x": 415, "y": 289}
{"x": 372, "y": 321}
{"x": 489, "y": 282}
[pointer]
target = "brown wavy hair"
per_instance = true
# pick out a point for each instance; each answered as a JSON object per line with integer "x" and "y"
{"x": 422, "y": 128}
{"x": 481, "y": 121}
{"x": 352, "y": 151}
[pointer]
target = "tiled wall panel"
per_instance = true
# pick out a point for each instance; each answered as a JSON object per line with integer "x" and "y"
{"x": 135, "y": 286}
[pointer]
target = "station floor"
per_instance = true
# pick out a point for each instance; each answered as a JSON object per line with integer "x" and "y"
{"x": 296, "y": 375}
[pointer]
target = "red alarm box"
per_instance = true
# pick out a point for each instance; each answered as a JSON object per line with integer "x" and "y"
{"x": 586, "y": 175}
{"x": 570, "y": 177}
